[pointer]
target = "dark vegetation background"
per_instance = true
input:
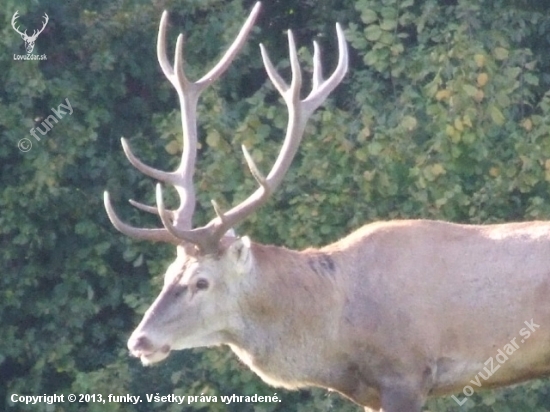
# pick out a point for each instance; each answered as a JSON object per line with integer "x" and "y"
{"x": 445, "y": 114}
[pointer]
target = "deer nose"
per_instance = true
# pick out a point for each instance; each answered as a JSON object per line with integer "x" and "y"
{"x": 140, "y": 343}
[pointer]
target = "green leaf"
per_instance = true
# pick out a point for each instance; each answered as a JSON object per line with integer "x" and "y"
{"x": 496, "y": 115}
{"x": 368, "y": 16}
{"x": 362, "y": 154}
{"x": 213, "y": 138}
{"x": 531, "y": 78}
{"x": 501, "y": 53}
{"x": 409, "y": 123}
{"x": 373, "y": 32}
{"x": 502, "y": 99}
{"x": 388, "y": 25}
{"x": 389, "y": 13}
{"x": 371, "y": 58}
{"x": 469, "y": 89}
{"x": 375, "y": 148}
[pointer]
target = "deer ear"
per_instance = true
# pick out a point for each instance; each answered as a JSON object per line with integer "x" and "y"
{"x": 239, "y": 251}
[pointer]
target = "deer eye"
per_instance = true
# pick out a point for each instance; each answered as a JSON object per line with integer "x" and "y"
{"x": 202, "y": 284}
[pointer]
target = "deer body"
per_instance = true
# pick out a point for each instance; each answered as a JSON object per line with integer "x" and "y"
{"x": 416, "y": 305}
{"x": 392, "y": 314}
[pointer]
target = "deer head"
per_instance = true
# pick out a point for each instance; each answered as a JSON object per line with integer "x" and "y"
{"x": 204, "y": 287}
{"x": 29, "y": 40}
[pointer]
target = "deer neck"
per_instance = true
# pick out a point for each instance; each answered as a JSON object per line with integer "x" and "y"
{"x": 294, "y": 305}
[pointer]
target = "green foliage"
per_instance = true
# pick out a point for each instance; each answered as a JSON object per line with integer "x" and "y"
{"x": 445, "y": 114}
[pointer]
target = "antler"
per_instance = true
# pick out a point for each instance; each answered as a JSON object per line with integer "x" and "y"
{"x": 35, "y": 32}
{"x": 299, "y": 111}
{"x": 182, "y": 177}
{"x": 13, "y": 19}
{"x": 177, "y": 224}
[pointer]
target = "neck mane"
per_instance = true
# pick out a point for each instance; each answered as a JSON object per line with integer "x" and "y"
{"x": 294, "y": 306}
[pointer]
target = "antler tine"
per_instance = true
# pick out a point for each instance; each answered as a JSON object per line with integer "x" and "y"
{"x": 143, "y": 168}
{"x": 317, "y": 66}
{"x": 156, "y": 235}
{"x": 149, "y": 209}
{"x": 46, "y": 20}
{"x": 320, "y": 91}
{"x": 13, "y": 20}
{"x": 230, "y": 54}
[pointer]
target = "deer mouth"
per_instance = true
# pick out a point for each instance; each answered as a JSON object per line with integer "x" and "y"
{"x": 150, "y": 356}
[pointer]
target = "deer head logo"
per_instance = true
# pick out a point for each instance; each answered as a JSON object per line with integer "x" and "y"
{"x": 29, "y": 40}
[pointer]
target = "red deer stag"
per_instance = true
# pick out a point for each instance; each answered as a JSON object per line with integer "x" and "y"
{"x": 388, "y": 316}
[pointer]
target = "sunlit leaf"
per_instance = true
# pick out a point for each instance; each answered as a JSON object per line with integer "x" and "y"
{"x": 500, "y": 53}
{"x": 470, "y": 90}
{"x": 482, "y": 79}
{"x": 496, "y": 115}
{"x": 368, "y": 16}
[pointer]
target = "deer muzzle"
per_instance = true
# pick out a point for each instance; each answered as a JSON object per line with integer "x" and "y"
{"x": 146, "y": 350}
